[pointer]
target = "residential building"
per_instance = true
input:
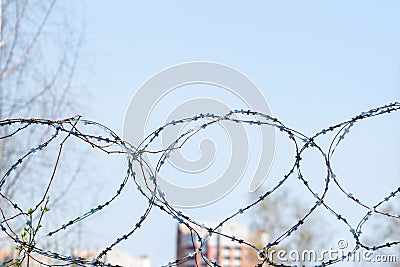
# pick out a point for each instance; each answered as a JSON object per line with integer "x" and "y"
{"x": 114, "y": 257}
{"x": 222, "y": 250}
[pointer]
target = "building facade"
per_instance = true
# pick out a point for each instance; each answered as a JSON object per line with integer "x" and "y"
{"x": 114, "y": 257}
{"x": 220, "y": 249}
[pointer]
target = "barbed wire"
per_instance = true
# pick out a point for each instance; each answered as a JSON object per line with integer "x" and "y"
{"x": 110, "y": 143}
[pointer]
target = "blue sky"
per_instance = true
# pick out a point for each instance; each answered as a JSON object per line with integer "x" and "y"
{"x": 316, "y": 62}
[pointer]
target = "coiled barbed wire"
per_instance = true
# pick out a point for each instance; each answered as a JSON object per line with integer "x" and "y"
{"x": 111, "y": 143}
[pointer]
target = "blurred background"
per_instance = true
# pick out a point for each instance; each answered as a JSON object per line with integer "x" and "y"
{"x": 317, "y": 63}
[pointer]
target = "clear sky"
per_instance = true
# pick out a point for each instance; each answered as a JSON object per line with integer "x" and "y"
{"x": 316, "y": 62}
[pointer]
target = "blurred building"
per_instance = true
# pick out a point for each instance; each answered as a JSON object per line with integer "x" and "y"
{"x": 5, "y": 255}
{"x": 8, "y": 258}
{"x": 217, "y": 248}
{"x": 114, "y": 257}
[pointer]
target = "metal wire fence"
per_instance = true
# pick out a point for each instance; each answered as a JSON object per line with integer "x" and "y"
{"x": 137, "y": 168}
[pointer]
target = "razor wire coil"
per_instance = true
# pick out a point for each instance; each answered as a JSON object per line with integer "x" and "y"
{"x": 111, "y": 143}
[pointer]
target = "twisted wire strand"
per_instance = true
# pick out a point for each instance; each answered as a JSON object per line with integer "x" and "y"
{"x": 110, "y": 143}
